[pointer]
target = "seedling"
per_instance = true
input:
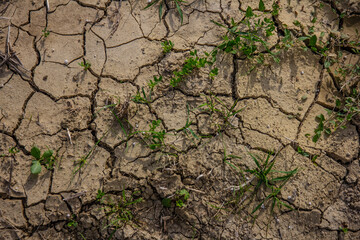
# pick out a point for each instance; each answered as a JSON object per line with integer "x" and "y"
{"x": 45, "y": 33}
{"x": 142, "y": 97}
{"x": 338, "y": 119}
{"x": 100, "y": 195}
{"x": 79, "y": 164}
{"x": 245, "y": 37}
{"x": 73, "y": 222}
{"x": 47, "y": 159}
{"x": 120, "y": 213}
{"x": 85, "y": 64}
{"x": 179, "y": 199}
{"x": 155, "y": 138}
{"x": 163, "y": 3}
{"x": 226, "y": 113}
{"x": 186, "y": 129}
{"x": 167, "y": 46}
{"x": 191, "y": 64}
{"x": 306, "y": 154}
{"x": 262, "y": 174}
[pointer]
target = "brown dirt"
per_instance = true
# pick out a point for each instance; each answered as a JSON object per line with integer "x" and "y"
{"x": 59, "y": 99}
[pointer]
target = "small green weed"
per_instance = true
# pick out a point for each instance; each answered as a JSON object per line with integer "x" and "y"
{"x": 85, "y": 64}
{"x": 214, "y": 105}
{"x": 100, "y": 195}
{"x": 306, "y": 154}
{"x": 246, "y": 37}
{"x": 154, "y": 139}
{"x": 73, "y": 223}
{"x": 142, "y": 97}
{"x": 120, "y": 213}
{"x": 45, "y": 33}
{"x": 344, "y": 229}
{"x": 338, "y": 119}
{"x": 167, "y": 46}
{"x": 262, "y": 174}
{"x": 47, "y": 159}
{"x": 191, "y": 64}
{"x": 186, "y": 129}
{"x": 180, "y": 199}
{"x": 79, "y": 164}
{"x": 163, "y": 3}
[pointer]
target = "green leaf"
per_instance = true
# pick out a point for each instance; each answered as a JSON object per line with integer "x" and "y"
{"x": 219, "y": 24}
{"x": 249, "y": 12}
{"x": 154, "y": 2}
{"x": 320, "y": 117}
{"x": 166, "y": 202}
{"x": 180, "y": 203}
{"x": 327, "y": 64}
{"x": 35, "y": 152}
{"x": 160, "y": 10}
{"x": 184, "y": 193}
{"x": 257, "y": 207}
{"x": 47, "y": 154}
{"x": 180, "y": 11}
{"x": 316, "y": 137}
{"x": 312, "y": 41}
{"x": 261, "y": 6}
{"x": 35, "y": 167}
{"x": 327, "y": 131}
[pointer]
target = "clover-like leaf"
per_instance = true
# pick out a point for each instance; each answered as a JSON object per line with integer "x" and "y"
{"x": 35, "y": 152}
{"x": 35, "y": 167}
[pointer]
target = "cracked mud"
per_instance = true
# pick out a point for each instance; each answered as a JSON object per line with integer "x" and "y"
{"x": 63, "y": 107}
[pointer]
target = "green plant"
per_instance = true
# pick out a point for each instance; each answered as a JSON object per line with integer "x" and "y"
{"x": 338, "y": 119}
{"x": 73, "y": 222}
{"x": 167, "y": 46}
{"x": 120, "y": 213}
{"x": 47, "y": 159}
{"x": 163, "y": 3}
{"x": 245, "y": 37}
{"x": 85, "y": 64}
{"x": 191, "y": 64}
{"x": 100, "y": 195}
{"x": 142, "y": 97}
{"x": 186, "y": 129}
{"x": 274, "y": 184}
{"x": 214, "y": 105}
{"x": 45, "y": 33}
{"x": 306, "y": 154}
{"x": 344, "y": 229}
{"x": 180, "y": 198}
{"x": 80, "y": 163}
{"x": 154, "y": 139}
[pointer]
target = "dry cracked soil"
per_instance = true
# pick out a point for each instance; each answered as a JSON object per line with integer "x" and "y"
{"x": 59, "y": 105}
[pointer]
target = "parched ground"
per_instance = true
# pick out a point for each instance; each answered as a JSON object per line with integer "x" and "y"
{"x": 60, "y": 106}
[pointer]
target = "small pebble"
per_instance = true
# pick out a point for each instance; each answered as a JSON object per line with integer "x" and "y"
{"x": 309, "y": 203}
{"x": 68, "y": 215}
{"x": 66, "y": 61}
{"x": 289, "y": 197}
{"x": 302, "y": 72}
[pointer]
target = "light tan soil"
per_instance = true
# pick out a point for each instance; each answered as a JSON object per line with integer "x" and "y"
{"x": 59, "y": 99}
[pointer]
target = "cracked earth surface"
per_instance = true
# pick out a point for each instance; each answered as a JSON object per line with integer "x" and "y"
{"x": 58, "y": 98}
